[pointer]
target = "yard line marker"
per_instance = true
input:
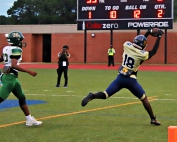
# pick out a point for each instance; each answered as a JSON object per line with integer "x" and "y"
{"x": 90, "y": 110}
{"x": 11, "y": 124}
{"x": 77, "y": 112}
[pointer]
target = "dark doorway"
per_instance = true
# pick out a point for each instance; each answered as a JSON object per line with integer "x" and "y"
{"x": 46, "y": 48}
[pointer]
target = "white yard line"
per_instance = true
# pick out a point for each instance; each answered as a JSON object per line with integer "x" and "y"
{"x": 128, "y": 98}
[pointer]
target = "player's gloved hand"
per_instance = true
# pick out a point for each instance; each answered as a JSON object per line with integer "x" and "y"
{"x": 149, "y": 30}
{"x": 160, "y": 33}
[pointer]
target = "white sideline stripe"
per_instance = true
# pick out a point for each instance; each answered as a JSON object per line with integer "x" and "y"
{"x": 65, "y": 95}
{"x": 55, "y": 95}
{"x": 166, "y": 99}
{"x": 167, "y": 94}
{"x": 36, "y": 94}
{"x": 50, "y": 95}
{"x": 125, "y": 98}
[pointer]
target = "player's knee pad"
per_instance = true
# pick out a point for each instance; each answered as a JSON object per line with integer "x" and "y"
{"x": 22, "y": 101}
{"x": 1, "y": 100}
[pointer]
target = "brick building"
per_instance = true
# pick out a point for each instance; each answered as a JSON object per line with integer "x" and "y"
{"x": 45, "y": 41}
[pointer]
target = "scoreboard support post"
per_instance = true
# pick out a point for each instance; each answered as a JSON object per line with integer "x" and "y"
{"x": 165, "y": 50}
{"x": 138, "y": 31}
{"x": 111, "y": 37}
{"x": 85, "y": 46}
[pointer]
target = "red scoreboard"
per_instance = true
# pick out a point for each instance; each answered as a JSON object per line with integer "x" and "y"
{"x": 124, "y": 14}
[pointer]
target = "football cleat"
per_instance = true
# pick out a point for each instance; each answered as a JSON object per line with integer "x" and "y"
{"x": 87, "y": 99}
{"x": 154, "y": 121}
{"x": 57, "y": 85}
{"x": 33, "y": 122}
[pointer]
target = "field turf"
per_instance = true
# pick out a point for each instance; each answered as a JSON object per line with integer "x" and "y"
{"x": 120, "y": 118}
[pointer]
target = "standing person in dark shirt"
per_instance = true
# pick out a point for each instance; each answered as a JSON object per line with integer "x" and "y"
{"x": 63, "y": 64}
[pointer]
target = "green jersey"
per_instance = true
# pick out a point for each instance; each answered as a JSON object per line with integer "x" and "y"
{"x": 10, "y": 52}
{"x": 9, "y": 77}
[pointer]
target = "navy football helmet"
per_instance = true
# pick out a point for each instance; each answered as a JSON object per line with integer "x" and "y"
{"x": 140, "y": 42}
{"x": 15, "y": 38}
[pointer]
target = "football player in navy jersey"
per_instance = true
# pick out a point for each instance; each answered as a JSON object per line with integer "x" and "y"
{"x": 133, "y": 56}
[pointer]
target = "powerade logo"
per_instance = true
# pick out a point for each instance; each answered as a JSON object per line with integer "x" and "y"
{"x": 148, "y": 24}
{"x": 95, "y": 25}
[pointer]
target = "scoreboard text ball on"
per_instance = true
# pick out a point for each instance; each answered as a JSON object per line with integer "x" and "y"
{"x": 124, "y": 14}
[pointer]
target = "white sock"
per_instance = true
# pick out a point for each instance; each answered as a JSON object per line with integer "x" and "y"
{"x": 28, "y": 117}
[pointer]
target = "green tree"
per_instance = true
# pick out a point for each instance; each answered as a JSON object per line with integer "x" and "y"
{"x": 46, "y": 12}
{"x": 3, "y": 20}
{"x": 175, "y": 10}
{"x": 43, "y": 12}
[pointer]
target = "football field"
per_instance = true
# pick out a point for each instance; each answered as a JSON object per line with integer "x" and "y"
{"x": 121, "y": 118}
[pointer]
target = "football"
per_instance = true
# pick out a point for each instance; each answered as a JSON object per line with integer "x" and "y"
{"x": 154, "y": 32}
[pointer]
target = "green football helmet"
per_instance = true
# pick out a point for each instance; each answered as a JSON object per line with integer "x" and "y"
{"x": 15, "y": 38}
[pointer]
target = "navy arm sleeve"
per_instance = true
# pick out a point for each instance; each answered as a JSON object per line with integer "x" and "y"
{"x": 147, "y": 33}
{"x": 154, "y": 50}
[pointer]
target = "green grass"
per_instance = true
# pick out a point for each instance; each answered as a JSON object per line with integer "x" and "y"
{"x": 64, "y": 120}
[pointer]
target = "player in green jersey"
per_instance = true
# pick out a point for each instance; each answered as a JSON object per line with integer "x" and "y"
{"x": 11, "y": 56}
